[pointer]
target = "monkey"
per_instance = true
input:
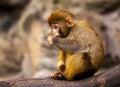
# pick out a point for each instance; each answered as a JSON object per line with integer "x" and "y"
{"x": 81, "y": 48}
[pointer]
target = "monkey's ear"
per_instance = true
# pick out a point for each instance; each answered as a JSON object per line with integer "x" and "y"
{"x": 69, "y": 22}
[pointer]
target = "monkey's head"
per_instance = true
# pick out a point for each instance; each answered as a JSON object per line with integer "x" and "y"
{"x": 61, "y": 22}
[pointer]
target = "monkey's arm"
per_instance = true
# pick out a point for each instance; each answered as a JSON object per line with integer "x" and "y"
{"x": 68, "y": 45}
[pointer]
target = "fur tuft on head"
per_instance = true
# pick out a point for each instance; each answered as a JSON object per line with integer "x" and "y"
{"x": 59, "y": 15}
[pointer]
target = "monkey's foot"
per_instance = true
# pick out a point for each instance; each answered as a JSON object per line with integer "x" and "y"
{"x": 57, "y": 75}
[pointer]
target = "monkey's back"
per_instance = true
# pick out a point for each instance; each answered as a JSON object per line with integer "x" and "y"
{"x": 90, "y": 42}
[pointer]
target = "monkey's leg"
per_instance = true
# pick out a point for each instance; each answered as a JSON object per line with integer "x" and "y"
{"x": 61, "y": 61}
{"x": 76, "y": 66}
{"x": 58, "y": 74}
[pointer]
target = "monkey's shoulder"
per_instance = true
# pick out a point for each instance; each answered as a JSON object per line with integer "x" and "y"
{"x": 84, "y": 27}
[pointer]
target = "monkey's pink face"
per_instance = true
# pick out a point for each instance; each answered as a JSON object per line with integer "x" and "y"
{"x": 56, "y": 30}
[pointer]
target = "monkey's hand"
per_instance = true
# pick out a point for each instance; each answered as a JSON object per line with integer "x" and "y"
{"x": 50, "y": 40}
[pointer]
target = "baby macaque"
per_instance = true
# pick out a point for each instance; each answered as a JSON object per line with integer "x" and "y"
{"x": 81, "y": 48}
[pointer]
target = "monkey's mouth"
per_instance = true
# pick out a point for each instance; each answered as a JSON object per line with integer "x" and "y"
{"x": 57, "y": 34}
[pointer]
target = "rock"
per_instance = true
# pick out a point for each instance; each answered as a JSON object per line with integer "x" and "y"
{"x": 10, "y": 11}
{"x": 13, "y": 2}
{"x": 33, "y": 30}
{"x": 108, "y": 78}
{"x": 11, "y": 56}
{"x": 112, "y": 23}
{"x": 10, "y": 60}
{"x": 94, "y": 19}
{"x": 100, "y": 6}
{"x": 6, "y": 21}
{"x": 43, "y": 73}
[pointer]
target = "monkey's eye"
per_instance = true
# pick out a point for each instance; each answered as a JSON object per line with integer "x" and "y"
{"x": 55, "y": 26}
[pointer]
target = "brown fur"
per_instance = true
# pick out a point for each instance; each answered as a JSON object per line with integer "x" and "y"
{"x": 81, "y": 51}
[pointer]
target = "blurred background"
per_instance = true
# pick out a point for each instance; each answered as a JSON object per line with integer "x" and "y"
{"x": 24, "y": 52}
